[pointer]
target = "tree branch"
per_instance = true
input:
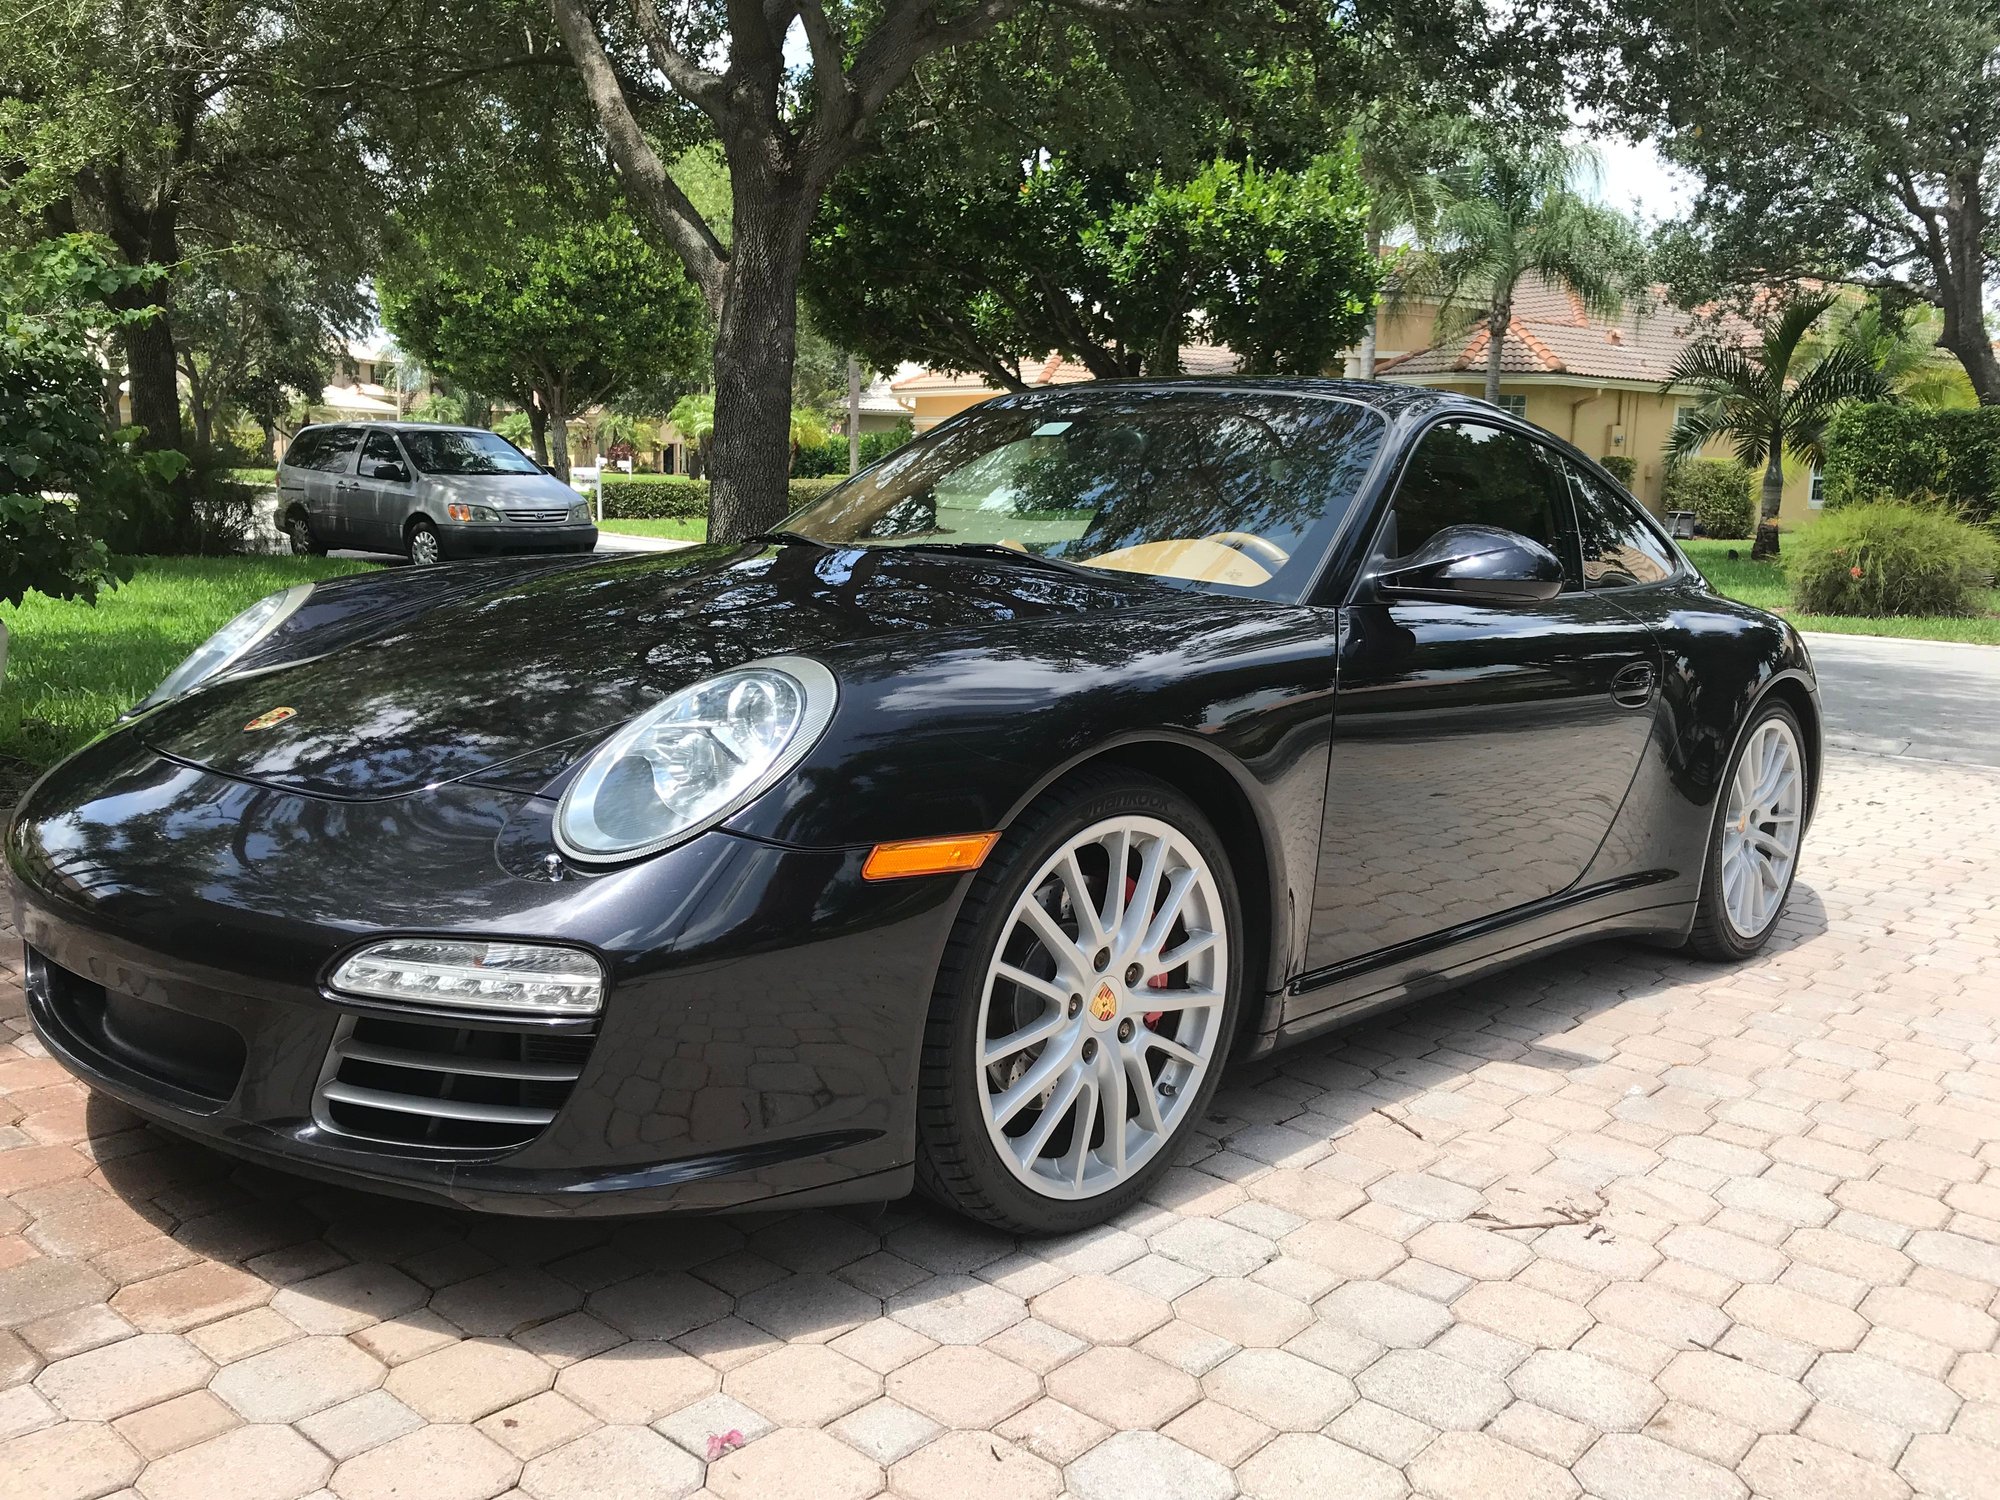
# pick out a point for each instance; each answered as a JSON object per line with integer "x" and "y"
{"x": 657, "y": 194}
{"x": 836, "y": 94}
{"x": 699, "y": 87}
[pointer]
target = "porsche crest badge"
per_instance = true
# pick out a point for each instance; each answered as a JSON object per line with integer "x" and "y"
{"x": 1104, "y": 1004}
{"x": 269, "y": 717}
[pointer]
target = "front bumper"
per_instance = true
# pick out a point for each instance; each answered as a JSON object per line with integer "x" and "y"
{"x": 474, "y": 539}
{"x": 758, "y": 1042}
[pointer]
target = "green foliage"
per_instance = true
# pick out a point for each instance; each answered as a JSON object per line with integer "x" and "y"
{"x": 675, "y": 497}
{"x": 1621, "y": 467}
{"x": 831, "y": 461}
{"x": 1717, "y": 490}
{"x": 561, "y": 319}
{"x": 516, "y": 429}
{"x": 450, "y": 408}
{"x": 1881, "y": 451}
{"x": 1893, "y": 560}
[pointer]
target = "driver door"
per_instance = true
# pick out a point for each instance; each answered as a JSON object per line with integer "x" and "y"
{"x": 1481, "y": 750}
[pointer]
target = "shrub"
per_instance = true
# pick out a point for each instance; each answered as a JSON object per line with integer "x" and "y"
{"x": 675, "y": 497}
{"x": 655, "y": 497}
{"x": 830, "y": 460}
{"x": 1877, "y": 451}
{"x": 1719, "y": 492}
{"x": 1621, "y": 468}
{"x": 1892, "y": 560}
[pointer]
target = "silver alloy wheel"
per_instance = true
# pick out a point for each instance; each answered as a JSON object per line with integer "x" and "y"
{"x": 1762, "y": 826}
{"x": 1102, "y": 1007}
{"x": 424, "y": 549}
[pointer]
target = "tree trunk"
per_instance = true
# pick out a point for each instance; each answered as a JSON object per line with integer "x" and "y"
{"x": 538, "y": 428}
{"x": 1961, "y": 282}
{"x": 853, "y": 415}
{"x": 756, "y": 339}
{"x": 1371, "y": 336}
{"x": 1496, "y": 344}
{"x": 1766, "y": 544}
{"x": 558, "y": 424}
{"x": 152, "y": 374}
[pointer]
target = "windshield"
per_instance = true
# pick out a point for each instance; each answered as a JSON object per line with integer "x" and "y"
{"x": 1230, "y": 492}
{"x": 466, "y": 453}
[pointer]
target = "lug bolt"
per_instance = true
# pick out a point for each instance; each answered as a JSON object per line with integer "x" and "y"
{"x": 1133, "y": 974}
{"x": 1125, "y": 1030}
{"x": 1103, "y": 959}
{"x": 1090, "y": 1049}
{"x": 1075, "y": 1004}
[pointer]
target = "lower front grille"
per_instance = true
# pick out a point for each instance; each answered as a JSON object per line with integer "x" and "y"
{"x": 184, "y": 1051}
{"x": 429, "y": 1083}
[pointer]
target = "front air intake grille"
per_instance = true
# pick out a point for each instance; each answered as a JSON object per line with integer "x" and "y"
{"x": 427, "y": 1083}
{"x": 538, "y": 517}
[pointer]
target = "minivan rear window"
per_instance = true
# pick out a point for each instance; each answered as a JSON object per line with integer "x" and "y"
{"x": 466, "y": 453}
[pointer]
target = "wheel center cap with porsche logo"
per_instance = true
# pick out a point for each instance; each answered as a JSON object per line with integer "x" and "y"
{"x": 1104, "y": 1004}
{"x": 269, "y": 717}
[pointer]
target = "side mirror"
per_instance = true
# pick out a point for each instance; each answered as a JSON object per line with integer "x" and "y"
{"x": 1481, "y": 564}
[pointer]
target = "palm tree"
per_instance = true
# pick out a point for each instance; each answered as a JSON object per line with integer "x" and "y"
{"x": 694, "y": 418}
{"x": 1511, "y": 211}
{"x": 1399, "y": 152}
{"x": 1769, "y": 400}
{"x": 1903, "y": 350}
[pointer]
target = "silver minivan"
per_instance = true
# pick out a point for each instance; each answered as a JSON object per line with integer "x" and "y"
{"x": 426, "y": 491}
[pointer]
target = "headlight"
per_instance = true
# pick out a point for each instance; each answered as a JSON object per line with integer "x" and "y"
{"x": 521, "y": 978}
{"x": 579, "y": 513}
{"x": 695, "y": 759}
{"x": 458, "y": 511}
{"x": 228, "y": 645}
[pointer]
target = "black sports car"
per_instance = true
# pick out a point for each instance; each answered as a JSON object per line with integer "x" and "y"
{"x": 954, "y": 836}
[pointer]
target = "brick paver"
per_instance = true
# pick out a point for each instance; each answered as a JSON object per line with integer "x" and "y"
{"x": 1616, "y": 1224}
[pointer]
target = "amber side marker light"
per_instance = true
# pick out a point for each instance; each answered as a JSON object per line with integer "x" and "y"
{"x": 948, "y": 856}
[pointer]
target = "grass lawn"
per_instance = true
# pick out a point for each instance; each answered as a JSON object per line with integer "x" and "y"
{"x": 1763, "y": 584}
{"x": 73, "y": 668}
{"x": 679, "y": 531}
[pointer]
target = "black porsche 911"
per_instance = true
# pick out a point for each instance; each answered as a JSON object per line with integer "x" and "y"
{"x": 953, "y": 837}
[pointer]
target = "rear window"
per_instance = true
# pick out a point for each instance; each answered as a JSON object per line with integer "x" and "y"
{"x": 322, "y": 448}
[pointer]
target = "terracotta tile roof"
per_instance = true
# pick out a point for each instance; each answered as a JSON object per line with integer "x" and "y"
{"x": 1552, "y": 334}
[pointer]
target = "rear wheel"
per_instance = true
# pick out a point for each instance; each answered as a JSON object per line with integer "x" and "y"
{"x": 1753, "y": 853}
{"x": 299, "y": 531}
{"x": 425, "y": 547}
{"x": 1083, "y": 1012}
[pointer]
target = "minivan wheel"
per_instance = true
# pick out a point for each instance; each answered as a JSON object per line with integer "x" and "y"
{"x": 1083, "y": 1011}
{"x": 424, "y": 544}
{"x": 304, "y": 543}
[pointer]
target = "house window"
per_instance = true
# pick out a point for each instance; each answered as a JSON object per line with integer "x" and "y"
{"x": 1515, "y": 406}
{"x": 1816, "y": 495}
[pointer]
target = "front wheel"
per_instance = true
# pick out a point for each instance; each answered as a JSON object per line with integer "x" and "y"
{"x": 1753, "y": 852}
{"x": 1083, "y": 1012}
{"x": 424, "y": 544}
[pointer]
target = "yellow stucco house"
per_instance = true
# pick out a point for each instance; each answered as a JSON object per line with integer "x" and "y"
{"x": 1591, "y": 381}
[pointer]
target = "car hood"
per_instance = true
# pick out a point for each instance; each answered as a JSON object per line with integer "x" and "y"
{"x": 502, "y": 489}
{"x": 511, "y": 672}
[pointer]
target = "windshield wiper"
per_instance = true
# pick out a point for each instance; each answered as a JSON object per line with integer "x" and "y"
{"x": 1010, "y": 554}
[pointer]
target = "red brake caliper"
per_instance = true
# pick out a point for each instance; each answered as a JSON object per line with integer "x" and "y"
{"x": 1158, "y": 981}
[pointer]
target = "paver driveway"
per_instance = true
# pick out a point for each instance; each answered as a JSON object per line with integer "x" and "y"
{"x": 1618, "y": 1223}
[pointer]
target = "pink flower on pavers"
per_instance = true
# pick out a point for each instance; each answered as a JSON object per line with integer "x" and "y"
{"x": 720, "y": 1443}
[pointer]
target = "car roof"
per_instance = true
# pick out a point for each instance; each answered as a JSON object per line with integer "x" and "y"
{"x": 399, "y": 426}
{"x": 1387, "y": 398}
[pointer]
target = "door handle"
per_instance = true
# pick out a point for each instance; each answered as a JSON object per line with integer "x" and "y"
{"x": 1632, "y": 685}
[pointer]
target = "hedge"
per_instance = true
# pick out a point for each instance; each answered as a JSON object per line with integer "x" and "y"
{"x": 1877, "y": 451}
{"x": 1892, "y": 560}
{"x": 1621, "y": 468}
{"x": 1719, "y": 491}
{"x": 675, "y": 497}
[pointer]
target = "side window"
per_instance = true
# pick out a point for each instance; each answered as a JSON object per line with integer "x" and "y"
{"x": 1469, "y": 474}
{"x": 381, "y": 447}
{"x": 1620, "y": 549}
{"x": 304, "y": 451}
{"x": 336, "y": 454}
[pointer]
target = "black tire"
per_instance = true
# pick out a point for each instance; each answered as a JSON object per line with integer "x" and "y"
{"x": 957, "y": 1165}
{"x": 418, "y": 538}
{"x": 299, "y": 530}
{"x": 1714, "y": 936}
